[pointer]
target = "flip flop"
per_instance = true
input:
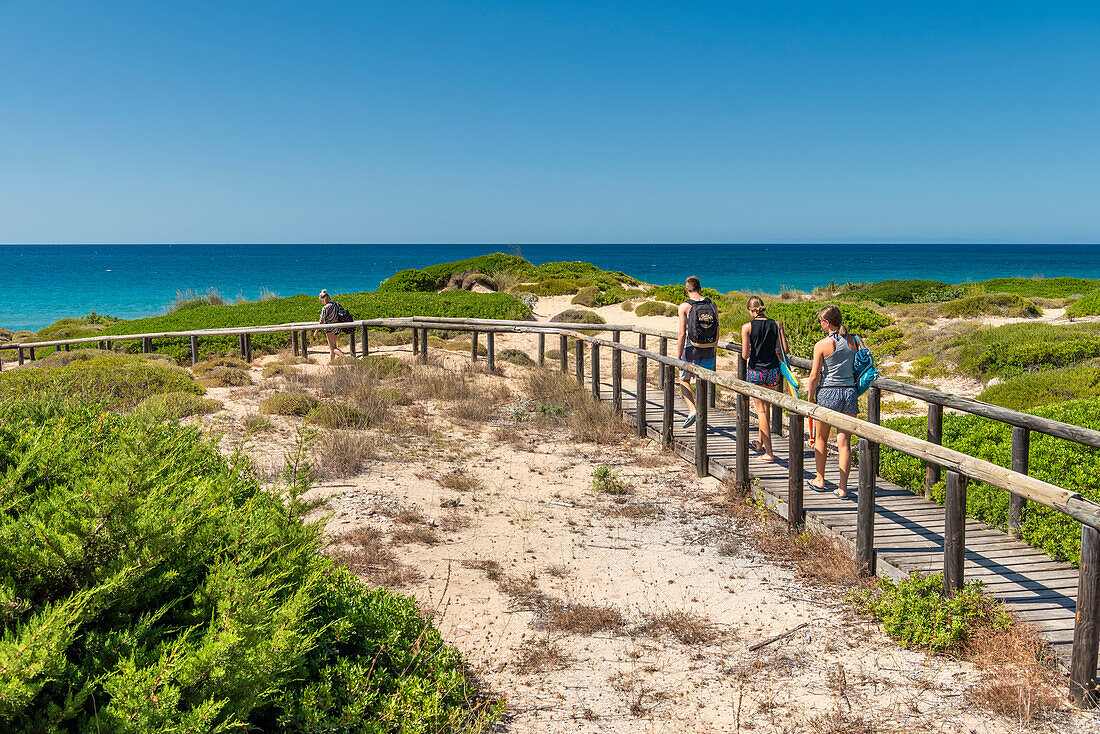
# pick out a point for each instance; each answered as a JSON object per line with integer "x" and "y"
{"x": 690, "y": 420}
{"x": 814, "y": 487}
{"x": 838, "y": 495}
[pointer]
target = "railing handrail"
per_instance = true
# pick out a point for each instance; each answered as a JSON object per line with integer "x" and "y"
{"x": 1049, "y": 495}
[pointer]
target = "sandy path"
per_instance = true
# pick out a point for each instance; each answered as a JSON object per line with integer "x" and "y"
{"x": 527, "y": 534}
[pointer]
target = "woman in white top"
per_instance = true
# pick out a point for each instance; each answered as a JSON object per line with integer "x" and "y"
{"x": 328, "y": 316}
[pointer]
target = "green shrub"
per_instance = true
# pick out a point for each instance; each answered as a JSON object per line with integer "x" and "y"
{"x": 886, "y": 341}
{"x": 393, "y": 396}
{"x": 335, "y": 415}
{"x": 1087, "y": 306}
{"x": 1015, "y": 348}
{"x": 552, "y": 287}
{"x": 939, "y": 295}
{"x": 486, "y": 264}
{"x": 1032, "y": 389}
{"x": 304, "y": 308}
{"x": 382, "y": 366}
{"x": 289, "y": 403}
{"x": 205, "y": 367}
{"x": 193, "y": 299}
{"x": 917, "y": 614}
{"x": 516, "y": 356}
{"x": 887, "y": 292}
{"x": 606, "y": 480}
{"x": 1064, "y": 463}
{"x": 76, "y": 328}
{"x": 586, "y": 297}
{"x": 650, "y": 308}
{"x": 1040, "y": 287}
{"x": 628, "y": 306}
{"x": 991, "y": 304}
{"x": 225, "y": 377}
{"x": 60, "y": 359}
{"x": 676, "y": 295}
{"x": 180, "y": 404}
{"x": 485, "y": 281}
{"x": 151, "y": 585}
{"x": 408, "y": 281}
{"x": 578, "y": 316}
{"x": 121, "y": 381}
{"x": 278, "y": 368}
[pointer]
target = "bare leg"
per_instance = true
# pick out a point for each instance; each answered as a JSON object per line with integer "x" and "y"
{"x": 844, "y": 448}
{"x": 689, "y": 395}
{"x": 332, "y": 348}
{"x": 821, "y": 449}
{"x": 764, "y": 425}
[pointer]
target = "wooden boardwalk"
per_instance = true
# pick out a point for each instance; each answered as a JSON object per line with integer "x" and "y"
{"x": 908, "y": 528}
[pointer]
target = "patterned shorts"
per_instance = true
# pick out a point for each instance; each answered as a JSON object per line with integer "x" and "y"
{"x": 841, "y": 399}
{"x": 767, "y": 378}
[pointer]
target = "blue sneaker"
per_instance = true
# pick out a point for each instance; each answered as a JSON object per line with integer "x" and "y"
{"x": 690, "y": 421}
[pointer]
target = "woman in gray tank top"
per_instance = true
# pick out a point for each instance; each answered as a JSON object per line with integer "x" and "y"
{"x": 833, "y": 386}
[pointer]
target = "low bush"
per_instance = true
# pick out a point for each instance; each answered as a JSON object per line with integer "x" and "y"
{"x": 486, "y": 264}
{"x": 1086, "y": 306}
{"x": 1015, "y": 348}
{"x": 627, "y": 306}
{"x": 675, "y": 294}
{"x": 207, "y": 366}
{"x": 382, "y": 366}
{"x": 916, "y": 613}
{"x": 225, "y": 377}
{"x": 553, "y": 287}
{"x": 335, "y": 415}
{"x": 1008, "y": 305}
{"x": 517, "y": 357}
{"x": 1040, "y": 287}
{"x": 393, "y": 396}
{"x": 408, "y": 281}
{"x": 303, "y": 308}
{"x": 193, "y": 299}
{"x": 586, "y": 297}
{"x": 1063, "y": 463}
{"x": 289, "y": 403}
{"x": 120, "y": 381}
{"x": 888, "y": 292}
{"x": 606, "y": 480}
{"x": 278, "y": 368}
{"x": 561, "y": 400}
{"x": 578, "y": 316}
{"x": 151, "y": 585}
{"x": 652, "y": 308}
{"x": 1033, "y": 389}
{"x": 180, "y": 404}
{"x": 76, "y": 328}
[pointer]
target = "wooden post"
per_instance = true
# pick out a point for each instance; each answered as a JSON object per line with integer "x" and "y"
{"x": 701, "y": 406}
{"x": 351, "y": 342}
{"x": 669, "y": 382}
{"x": 20, "y": 355}
{"x": 777, "y": 412}
{"x": 67, "y": 347}
{"x": 661, "y": 374}
{"x": 578, "y": 361}
{"x": 935, "y": 435}
{"x": 741, "y": 460}
{"x": 415, "y": 341}
{"x": 241, "y": 347}
{"x": 146, "y": 345}
{"x": 712, "y": 395}
{"x": 1021, "y": 447}
{"x": 248, "y": 348}
{"x": 305, "y": 343}
{"x": 796, "y": 455}
{"x": 294, "y": 342}
{"x": 473, "y": 346}
{"x": 563, "y": 352}
{"x": 596, "y": 371}
{"x": 32, "y": 354}
{"x": 542, "y": 350}
{"x": 616, "y": 376}
{"x": 1086, "y": 632}
{"x": 424, "y": 346}
{"x": 954, "y": 534}
{"x": 639, "y": 392}
{"x": 865, "y": 511}
{"x": 491, "y": 350}
{"x": 195, "y": 349}
{"x": 874, "y": 415}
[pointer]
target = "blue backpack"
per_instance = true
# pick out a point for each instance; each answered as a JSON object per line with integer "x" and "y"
{"x": 864, "y": 367}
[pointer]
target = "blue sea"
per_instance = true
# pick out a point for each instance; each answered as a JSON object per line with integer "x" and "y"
{"x": 49, "y": 282}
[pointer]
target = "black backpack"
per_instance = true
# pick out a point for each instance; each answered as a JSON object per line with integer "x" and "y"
{"x": 343, "y": 315}
{"x": 702, "y": 324}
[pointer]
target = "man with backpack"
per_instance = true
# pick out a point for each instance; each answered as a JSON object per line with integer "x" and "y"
{"x": 698, "y": 338}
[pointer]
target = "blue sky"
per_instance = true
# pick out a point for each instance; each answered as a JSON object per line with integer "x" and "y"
{"x": 548, "y": 121}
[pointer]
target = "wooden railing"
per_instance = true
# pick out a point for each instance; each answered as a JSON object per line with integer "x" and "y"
{"x": 959, "y": 466}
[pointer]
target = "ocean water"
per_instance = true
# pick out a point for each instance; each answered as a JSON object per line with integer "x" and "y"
{"x": 49, "y": 282}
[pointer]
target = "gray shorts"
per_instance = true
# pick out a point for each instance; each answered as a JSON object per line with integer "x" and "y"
{"x": 841, "y": 399}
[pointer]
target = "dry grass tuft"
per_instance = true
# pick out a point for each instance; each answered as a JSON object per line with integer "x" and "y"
{"x": 587, "y": 419}
{"x": 540, "y": 656}
{"x": 580, "y": 619}
{"x": 512, "y": 437}
{"x": 452, "y": 522}
{"x": 439, "y": 384}
{"x": 422, "y": 534}
{"x": 458, "y": 479}
{"x": 255, "y": 423}
{"x": 688, "y": 628}
{"x": 636, "y": 511}
{"x": 339, "y": 454}
{"x": 278, "y": 368}
{"x": 368, "y": 555}
{"x": 1019, "y": 678}
{"x": 360, "y": 390}
{"x": 472, "y": 410}
{"x": 225, "y": 377}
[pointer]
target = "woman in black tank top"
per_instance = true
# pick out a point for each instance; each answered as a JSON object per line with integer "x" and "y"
{"x": 761, "y": 340}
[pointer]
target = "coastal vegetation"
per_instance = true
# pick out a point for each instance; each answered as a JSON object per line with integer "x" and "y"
{"x": 148, "y": 582}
